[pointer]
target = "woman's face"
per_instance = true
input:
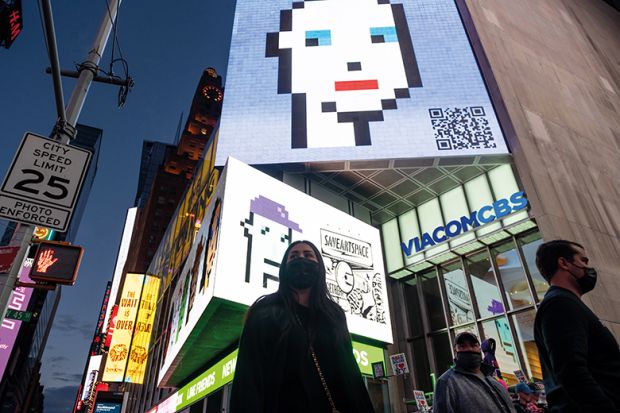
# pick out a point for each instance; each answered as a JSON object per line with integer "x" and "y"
{"x": 302, "y": 250}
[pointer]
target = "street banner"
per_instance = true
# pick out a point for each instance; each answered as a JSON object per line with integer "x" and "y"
{"x": 138, "y": 354}
{"x": 118, "y": 354}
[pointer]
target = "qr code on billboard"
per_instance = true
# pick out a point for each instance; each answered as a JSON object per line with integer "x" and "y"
{"x": 461, "y": 128}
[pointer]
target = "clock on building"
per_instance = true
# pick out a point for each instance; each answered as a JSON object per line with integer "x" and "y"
{"x": 212, "y": 92}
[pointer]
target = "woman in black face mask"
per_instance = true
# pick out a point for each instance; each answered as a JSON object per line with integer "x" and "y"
{"x": 295, "y": 353}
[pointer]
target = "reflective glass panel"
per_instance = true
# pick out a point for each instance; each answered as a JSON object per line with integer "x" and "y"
{"x": 443, "y": 353}
{"x": 524, "y": 326}
{"x": 459, "y": 301}
{"x": 391, "y": 245}
{"x": 505, "y": 351}
{"x": 529, "y": 245}
{"x": 486, "y": 291}
{"x": 513, "y": 276}
{"x": 413, "y": 308}
{"x": 470, "y": 328}
{"x": 432, "y": 298}
{"x": 421, "y": 366}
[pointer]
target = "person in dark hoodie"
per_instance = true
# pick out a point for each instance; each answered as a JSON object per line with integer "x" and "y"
{"x": 465, "y": 388}
{"x": 295, "y": 352}
{"x": 488, "y": 347}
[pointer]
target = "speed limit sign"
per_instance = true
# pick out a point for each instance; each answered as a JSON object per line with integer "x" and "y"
{"x": 43, "y": 183}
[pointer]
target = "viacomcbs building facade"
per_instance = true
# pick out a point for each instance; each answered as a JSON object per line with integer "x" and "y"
{"x": 425, "y": 161}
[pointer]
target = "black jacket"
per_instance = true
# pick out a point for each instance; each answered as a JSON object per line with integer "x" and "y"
{"x": 274, "y": 369}
{"x": 579, "y": 356}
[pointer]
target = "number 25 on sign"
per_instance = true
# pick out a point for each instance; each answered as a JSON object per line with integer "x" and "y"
{"x": 43, "y": 182}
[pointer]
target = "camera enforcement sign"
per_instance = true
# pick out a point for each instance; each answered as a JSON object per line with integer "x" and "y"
{"x": 43, "y": 182}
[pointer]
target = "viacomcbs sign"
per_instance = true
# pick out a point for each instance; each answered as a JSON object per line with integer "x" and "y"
{"x": 486, "y": 214}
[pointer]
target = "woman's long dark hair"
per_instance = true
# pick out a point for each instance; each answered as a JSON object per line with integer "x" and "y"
{"x": 321, "y": 304}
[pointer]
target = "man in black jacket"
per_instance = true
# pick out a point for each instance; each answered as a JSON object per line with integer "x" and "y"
{"x": 579, "y": 356}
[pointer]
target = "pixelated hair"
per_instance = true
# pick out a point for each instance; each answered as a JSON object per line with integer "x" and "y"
{"x": 548, "y": 253}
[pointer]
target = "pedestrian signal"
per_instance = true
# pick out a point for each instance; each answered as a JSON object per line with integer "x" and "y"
{"x": 56, "y": 263}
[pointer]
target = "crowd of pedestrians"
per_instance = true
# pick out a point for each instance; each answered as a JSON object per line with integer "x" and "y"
{"x": 579, "y": 356}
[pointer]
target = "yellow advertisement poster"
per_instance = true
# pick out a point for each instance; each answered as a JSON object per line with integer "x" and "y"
{"x": 142, "y": 334}
{"x": 123, "y": 328}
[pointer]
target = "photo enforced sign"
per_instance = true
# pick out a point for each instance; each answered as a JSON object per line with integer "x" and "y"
{"x": 43, "y": 183}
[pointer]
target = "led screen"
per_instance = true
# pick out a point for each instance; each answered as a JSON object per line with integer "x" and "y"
{"x": 262, "y": 216}
{"x": 328, "y": 80}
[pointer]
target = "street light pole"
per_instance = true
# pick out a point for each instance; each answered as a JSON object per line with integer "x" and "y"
{"x": 67, "y": 118}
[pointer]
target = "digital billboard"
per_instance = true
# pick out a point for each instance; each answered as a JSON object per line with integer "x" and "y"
{"x": 249, "y": 223}
{"x": 123, "y": 328}
{"x": 138, "y": 354}
{"x": 334, "y": 80}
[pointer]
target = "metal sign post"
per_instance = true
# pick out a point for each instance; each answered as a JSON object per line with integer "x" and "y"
{"x": 66, "y": 119}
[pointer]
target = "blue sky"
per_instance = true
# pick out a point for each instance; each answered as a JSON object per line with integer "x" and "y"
{"x": 167, "y": 46}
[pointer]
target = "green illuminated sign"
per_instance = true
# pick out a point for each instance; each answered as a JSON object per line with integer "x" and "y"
{"x": 365, "y": 355}
{"x": 208, "y": 382}
{"x": 223, "y": 372}
{"x": 24, "y": 316}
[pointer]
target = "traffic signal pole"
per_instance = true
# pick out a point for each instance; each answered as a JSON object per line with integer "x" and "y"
{"x": 64, "y": 130}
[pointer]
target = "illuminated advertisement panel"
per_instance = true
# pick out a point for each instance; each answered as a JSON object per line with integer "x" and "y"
{"x": 123, "y": 328}
{"x": 272, "y": 215}
{"x": 121, "y": 258}
{"x": 92, "y": 374}
{"x": 236, "y": 255}
{"x": 341, "y": 80}
{"x": 138, "y": 354}
{"x": 20, "y": 297}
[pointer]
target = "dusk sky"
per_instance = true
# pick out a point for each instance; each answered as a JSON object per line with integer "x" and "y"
{"x": 167, "y": 46}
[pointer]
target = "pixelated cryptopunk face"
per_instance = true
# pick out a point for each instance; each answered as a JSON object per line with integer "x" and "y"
{"x": 344, "y": 62}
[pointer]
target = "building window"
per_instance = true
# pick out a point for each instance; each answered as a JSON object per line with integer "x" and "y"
{"x": 524, "y": 326}
{"x": 487, "y": 294}
{"x": 459, "y": 300}
{"x": 432, "y": 298}
{"x": 529, "y": 244}
{"x": 506, "y": 351}
{"x": 512, "y": 274}
{"x": 488, "y": 291}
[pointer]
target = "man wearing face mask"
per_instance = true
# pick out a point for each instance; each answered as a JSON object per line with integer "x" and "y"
{"x": 579, "y": 356}
{"x": 464, "y": 388}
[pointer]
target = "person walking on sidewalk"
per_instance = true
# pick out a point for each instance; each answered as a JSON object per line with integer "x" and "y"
{"x": 579, "y": 356}
{"x": 464, "y": 388}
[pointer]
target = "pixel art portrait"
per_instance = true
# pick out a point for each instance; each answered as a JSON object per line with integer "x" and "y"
{"x": 343, "y": 62}
{"x": 353, "y": 80}
{"x": 269, "y": 231}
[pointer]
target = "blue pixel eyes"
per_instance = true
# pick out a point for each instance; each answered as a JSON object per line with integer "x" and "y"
{"x": 318, "y": 38}
{"x": 383, "y": 34}
{"x": 377, "y": 35}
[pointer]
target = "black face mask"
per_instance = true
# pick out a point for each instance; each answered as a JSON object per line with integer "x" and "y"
{"x": 302, "y": 273}
{"x": 468, "y": 360}
{"x": 587, "y": 281}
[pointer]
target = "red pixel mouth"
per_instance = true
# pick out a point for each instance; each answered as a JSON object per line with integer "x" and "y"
{"x": 356, "y": 85}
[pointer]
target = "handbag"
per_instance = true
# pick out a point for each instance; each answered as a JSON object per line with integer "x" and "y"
{"x": 318, "y": 370}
